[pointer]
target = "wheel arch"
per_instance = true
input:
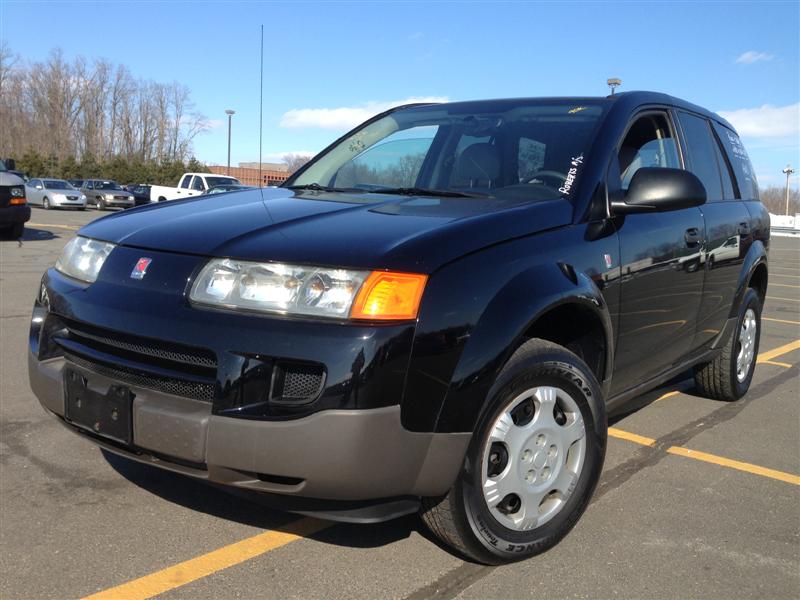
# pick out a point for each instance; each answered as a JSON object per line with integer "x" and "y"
{"x": 754, "y": 273}
{"x": 572, "y": 313}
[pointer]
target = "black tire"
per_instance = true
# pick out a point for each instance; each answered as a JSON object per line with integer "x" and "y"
{"x": 100, "y": 204}
{"x": 462, "y": 518}
{"x": 718, "y": 379}
{"x": 46, "y": 203}
{"x": 13, "y": 232}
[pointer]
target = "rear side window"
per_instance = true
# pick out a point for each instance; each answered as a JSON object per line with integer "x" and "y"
{"x": 701, "y": 148}
{"x": 742, "y": 167}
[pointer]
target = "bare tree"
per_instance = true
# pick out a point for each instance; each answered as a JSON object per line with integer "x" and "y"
{"x": 294, "y": 161}
{"x": 63, "y": 108}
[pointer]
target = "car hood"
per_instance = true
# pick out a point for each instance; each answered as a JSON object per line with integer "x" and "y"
{"x": 368, "y": 231}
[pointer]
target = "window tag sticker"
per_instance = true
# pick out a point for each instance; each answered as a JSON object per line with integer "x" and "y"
{"x": 575, "y": 164}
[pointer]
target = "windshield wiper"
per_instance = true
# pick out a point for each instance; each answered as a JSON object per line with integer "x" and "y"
{"x": 418, "y": 191}
{"x": 316, "y": 187}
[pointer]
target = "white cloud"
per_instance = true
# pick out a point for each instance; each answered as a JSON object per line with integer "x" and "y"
{"x": 345, "y": 117}
{"x": 751, "y": 56}
{"x": 766, "y": 121}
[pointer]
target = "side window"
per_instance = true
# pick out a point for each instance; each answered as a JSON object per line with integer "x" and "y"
{"x": 89, "y": 185}
{"x": 530, "y": 158}
{"x": 197, "y": 184}
{"x": 702, "y": 151}
{"x": 34, "y": 182}
{"x": 728, "y": 190}
{"x": 648, "y": 143}
{"x": 185, "y": 182}
{"x": 742, "y": 168}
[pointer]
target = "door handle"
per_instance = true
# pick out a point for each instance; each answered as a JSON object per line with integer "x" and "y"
{"x": 692, "y": 237}
{"x": 744, "y": 228}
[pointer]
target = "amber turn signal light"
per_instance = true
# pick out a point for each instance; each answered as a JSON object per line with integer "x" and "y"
{"x": 17, "y": 201}
{"x": 389, "y": 296}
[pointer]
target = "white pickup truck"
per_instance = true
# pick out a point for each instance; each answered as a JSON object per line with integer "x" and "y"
{"x": 191, "y": 184}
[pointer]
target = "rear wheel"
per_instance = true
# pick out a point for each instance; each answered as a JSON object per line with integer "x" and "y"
{"x": 533, "y": 462}
{"x": 728, "y": 376}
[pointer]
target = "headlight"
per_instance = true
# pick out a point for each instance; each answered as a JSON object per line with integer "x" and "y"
{"x": 17, "y": 192}
{"x": 304, "y": 290}
{"x": 82, "y": 258}
{"x": 83, "y": 197}
{"x": 109, "y": 196}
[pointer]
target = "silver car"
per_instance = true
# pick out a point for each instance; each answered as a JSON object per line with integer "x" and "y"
{"x": 104, "y": 193}
{"x": 54, "y": 193}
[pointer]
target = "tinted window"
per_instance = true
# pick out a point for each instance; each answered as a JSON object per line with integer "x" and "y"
{"x": 701, "y": 148}
{"x": 197, "y": 184}
{"x": 728, "y": 190}
{"x": 648, "y": 143}
{"x": 185, "y": 181}
{"x": 742, "y": 168}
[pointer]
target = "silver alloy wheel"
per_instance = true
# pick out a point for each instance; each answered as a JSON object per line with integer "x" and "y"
{"x": 746, "y": 348}
{"x": 543, "y": 457}
{"x": 46, "y": 204}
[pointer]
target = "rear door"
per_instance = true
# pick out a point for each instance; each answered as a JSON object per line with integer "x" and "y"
{"x": 728, "y": 232}
{"x": 660, "y": 260}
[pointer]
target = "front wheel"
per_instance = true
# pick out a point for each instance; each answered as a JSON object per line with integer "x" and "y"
{"x": 46, "y": 204}
{"x": 101, "y": 205}
{"x": 533, "y": 462}
{"x": 728, "y": 376}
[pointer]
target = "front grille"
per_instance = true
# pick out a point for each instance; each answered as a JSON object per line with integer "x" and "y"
{"x": 176, "y": 387}
{"x": 163, "y": 366}
{"x": 120, "y": 197}
{"x": 72, "y": 198}
{"x": 137, "y": 345}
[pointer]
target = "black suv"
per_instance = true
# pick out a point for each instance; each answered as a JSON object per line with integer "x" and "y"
{"x": 436, "y": 313}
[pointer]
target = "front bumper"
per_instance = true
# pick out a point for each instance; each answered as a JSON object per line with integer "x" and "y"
{"x": 204, "y": 385}
{"x": 64, "y": 203}
{"x": 18, "y": 213}
{"x": 335, "y": 454}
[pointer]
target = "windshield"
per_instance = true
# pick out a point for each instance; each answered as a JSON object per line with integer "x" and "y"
{"x": 107, "y": 185}
{"x": 513, "y": 149}
{"x": 57, "y": 184}
{"x": 215, "y": 181}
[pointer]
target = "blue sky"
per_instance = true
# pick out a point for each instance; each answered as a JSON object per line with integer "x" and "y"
{"x": 329, "y": 65}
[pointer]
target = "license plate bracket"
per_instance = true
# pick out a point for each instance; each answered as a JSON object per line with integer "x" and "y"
{"x": 109, "y": 415}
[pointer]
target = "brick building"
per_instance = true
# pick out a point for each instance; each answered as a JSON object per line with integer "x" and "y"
{"x": 247, "y": 173}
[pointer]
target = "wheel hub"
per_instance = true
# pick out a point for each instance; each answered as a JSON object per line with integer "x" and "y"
{"x": 746, "y": 345}
{"x": 544, "y": 448}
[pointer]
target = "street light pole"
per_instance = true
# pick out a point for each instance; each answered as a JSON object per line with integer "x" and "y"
{"x": 788, "y": 171}
{"x": 230, "y": 114}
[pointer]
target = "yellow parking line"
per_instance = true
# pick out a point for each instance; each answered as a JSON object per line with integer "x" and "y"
{"x": 776, "y": 363}
{"x": 785, "y": 299}
{"x": 72, "y": 227}
{"x": 667, "y": 395}
{"x": 735, "y": 464}
{"x": 709, "y": 458}
{"x": 780, "y": 321}
{"x": 783, "y": 285}
{"x": 631, "y": 437}
{"x": 207, "y": 564}
{"x": 782, "y": 275}
{"x": 779, "y": 351}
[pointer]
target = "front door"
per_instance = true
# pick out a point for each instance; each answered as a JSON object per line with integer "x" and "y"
{"x": 661, "y": 263}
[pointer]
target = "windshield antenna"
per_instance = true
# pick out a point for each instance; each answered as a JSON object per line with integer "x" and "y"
{"x": 261, "y": 109}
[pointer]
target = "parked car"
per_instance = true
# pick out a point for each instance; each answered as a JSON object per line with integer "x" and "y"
{"x": 105, "y": 193}
{"x": 190, "y": 184}
{"x": 76, "y": 183}
{"x": 231, "y": 187}
{"x": 140, "y": 191}
{"x": 14, "y": 209}
{"x": 436, "y": 313}
{"x": 54, "y": 193}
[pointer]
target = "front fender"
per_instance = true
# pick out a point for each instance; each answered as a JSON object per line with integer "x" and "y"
{"x": 501, "y": 330}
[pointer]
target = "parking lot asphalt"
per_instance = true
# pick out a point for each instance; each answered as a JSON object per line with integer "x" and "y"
{"x": 698, "y": 499}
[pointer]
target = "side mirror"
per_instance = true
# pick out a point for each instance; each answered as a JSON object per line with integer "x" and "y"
{"x": 658, "y": 189}
{"x": 39, "y": 187}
